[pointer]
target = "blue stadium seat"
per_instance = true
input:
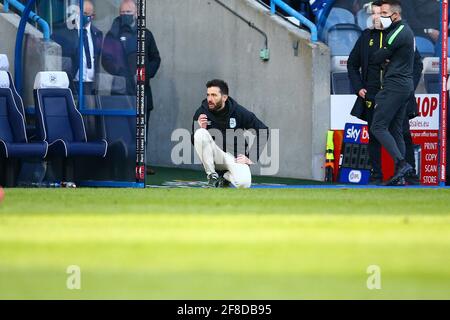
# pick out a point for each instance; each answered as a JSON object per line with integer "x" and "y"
{"x": 4, "y": 66}
{"x": 437, "y": 51}
{"x": 120, "y": 133}
{"x": 425, "y": 47}
{"x": 431, "y": 74}
{"x": 337, "y": 16}
{"x": 13, "y": 138}
{"x": 59, "y": 122}
{"x": 341, "y": 38}
{"x": 340, "y": 82}
{"x": 362, "y": 19}
{"x": 432, "y": 83}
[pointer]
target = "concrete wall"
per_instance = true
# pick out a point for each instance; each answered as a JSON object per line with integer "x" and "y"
{"x": 200, "y": 40}
{"x": 39, "y": 55}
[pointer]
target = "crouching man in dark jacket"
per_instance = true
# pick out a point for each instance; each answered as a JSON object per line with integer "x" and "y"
{"x": 222, "y": 113}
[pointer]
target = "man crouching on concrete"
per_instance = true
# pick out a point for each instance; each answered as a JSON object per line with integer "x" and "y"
{"x": 221, "y": 114}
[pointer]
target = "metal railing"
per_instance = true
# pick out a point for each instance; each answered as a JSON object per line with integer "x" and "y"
{"x": 264, "y": 53}
{"x": 303, "y": 20}
{"x": 32, "y": 16}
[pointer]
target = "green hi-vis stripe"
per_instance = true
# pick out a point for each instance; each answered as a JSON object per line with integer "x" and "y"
{"x": 392, "y": 38}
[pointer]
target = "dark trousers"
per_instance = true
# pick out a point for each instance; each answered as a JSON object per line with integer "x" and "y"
{"x": 374, "y": 144}
{"x": 388, "y": 119}
{"x": 409, "y": 145}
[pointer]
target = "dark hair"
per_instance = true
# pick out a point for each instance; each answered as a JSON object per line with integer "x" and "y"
{"x": 395, "y": 4}
{"x": 377, "y": 3}
{"x": 222, "y": 85}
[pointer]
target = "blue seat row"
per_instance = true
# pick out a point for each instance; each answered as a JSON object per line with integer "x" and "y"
{"x": 60, "y": 129}
{"x": 340, "y": 82}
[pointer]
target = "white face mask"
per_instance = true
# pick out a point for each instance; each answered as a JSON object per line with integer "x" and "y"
{"x": 386, "y": 22}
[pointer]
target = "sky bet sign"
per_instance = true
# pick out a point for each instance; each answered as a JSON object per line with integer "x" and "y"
{"x": 354, "y": 164}
{"x": 356, "y": 133}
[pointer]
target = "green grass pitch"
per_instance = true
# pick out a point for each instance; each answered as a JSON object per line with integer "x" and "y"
{"x": 225, "y": 244}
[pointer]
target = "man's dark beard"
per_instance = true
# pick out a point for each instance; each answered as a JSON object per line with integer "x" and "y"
{"x": 216, "y": 106}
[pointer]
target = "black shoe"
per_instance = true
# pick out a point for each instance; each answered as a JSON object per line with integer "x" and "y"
{"x": 213, "y": 180}
{"x": 397, "y": 182}
{"x": 376, "y": 179}
{"x": 223, "y": 183}
{"x": 398, "y": 179}
{"x": 412, "y": 179}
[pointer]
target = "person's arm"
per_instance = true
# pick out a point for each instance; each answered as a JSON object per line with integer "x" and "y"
{"x": 154, "y": 60}
{"x": 354, "y": 65}
{"x": 395, "y": 40}
{"x": 110, "y": 52}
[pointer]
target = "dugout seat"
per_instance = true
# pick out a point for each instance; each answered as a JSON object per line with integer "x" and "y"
{"x": 438, "y": 49}
{"x": 14, "y": 143}
{"x": 341, "y": 38}
{"x": 431, "y": 74}
{"x": 60, "y": 123}
{"x": 337, "y": 16}
{"x": 340, "y": 82}
{"x": 425, "y": 47}
{"x": 363, "y": 19}
{"x": 4, "y": 66}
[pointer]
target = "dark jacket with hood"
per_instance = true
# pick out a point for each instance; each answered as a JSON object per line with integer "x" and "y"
{"x": 119, "y": 57}
{"x": 237, "y": 118}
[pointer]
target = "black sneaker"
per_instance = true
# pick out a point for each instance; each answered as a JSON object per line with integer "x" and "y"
{"x": 375, "y": 179}
{"x": 398, "y": 179}
{"x": 412, "y": 179}
{"x": 223, "y": 183}
{"x": 213, "y": 180}
{"x": 397, "y": 183}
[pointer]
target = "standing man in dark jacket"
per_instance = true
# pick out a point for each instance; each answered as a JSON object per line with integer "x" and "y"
{"x": 67, "y": 36}
{"x": 366, "y": 77}
{"x": 221, "y": 112}
{"x": 397, "y": 56}
{"x": 120, "y": 53}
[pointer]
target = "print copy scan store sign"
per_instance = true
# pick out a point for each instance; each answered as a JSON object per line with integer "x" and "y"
{"x": 425, "y": 135}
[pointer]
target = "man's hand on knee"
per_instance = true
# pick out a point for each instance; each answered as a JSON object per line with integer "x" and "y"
{"x": 243, "y": 160}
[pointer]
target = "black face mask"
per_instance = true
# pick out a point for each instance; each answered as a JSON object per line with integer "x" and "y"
{"x": 127, "y": 20}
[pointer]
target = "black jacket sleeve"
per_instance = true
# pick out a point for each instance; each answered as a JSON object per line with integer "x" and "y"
{"x": 154, "y": 60}
{"x": 354, "y": 65}
{"x": 261, "y": 130}
{"x": 252, "y": 122}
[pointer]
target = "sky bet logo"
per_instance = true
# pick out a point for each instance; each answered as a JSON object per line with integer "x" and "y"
{"x": 356, "y": 133}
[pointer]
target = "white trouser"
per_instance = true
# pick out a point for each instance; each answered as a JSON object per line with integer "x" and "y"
{"x": 214, "y": 158}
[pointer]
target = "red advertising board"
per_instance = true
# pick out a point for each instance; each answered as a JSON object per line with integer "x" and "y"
{"x": 424, "y": 131}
